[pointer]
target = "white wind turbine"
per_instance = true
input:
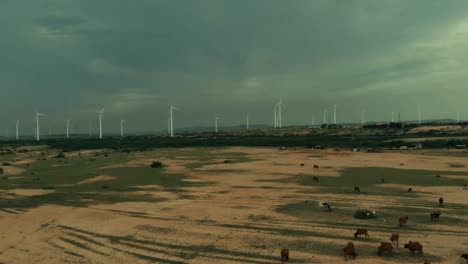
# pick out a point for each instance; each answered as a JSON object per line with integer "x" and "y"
{"x": 122, "y": 122}
{"x": 276, "y": 115}
{"x": 68, "y": 128}
{"x": 171, "y": 120}
{"x": 101, "y": 117}
{"x": 38, "y": 136}
{"x": 419, "y": 113}
{"x": 458, "y": 116}
{"x": 17, "y": 129}
{"x": 247, "y": 122}
{"x": 334, "y": 114}
{"x": 280, "y": 114}
{"x": 216, "y": 124}
{"x": 363, "y": 120}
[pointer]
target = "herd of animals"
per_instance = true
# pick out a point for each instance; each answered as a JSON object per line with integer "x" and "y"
{"x": 349, "y": 250}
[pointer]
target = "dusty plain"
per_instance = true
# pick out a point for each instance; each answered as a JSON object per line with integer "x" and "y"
{"x": 229, "y": 205}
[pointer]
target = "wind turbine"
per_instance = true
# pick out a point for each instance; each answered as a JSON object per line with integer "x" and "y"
{"x": 393, "y": 117}
{"x": 458, "y": 117}
{"x": 17, "y": 129}
{"x": 363, "y": 120}
{"x": 324, "y": 116}
{"x": 171, "y": 120}
{"x": 313, "y": 119}
{"x": 101, "y": 116}
{"x": 280, "y": 117}
{"x": 334, "y": 114}
{"x": 419, "y": 113}
{"x": 276, "y": 115}
{"x": 122, "y": 122}
{"x": 68, "y": 128}
{"x": 38, "y": 136}
{"x": 216, "y": 124}
{"x": 247, "y": 122}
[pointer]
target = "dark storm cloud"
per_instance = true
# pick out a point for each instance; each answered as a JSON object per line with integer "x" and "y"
{"x": 228, "y": 57}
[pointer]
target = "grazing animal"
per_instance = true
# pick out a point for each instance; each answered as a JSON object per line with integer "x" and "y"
{"x": 315, "y": 179}
{"x": 316, "y": 167}
{"x": 302, "y": 165}
{"x": 435, "y": 216}
{"x": 465, "y": 256}
{"x": 410, "y": 189}
{"x": 403, "y": 220}
{"x": 463, "y": 187}
{"x": 382, "y": 180}
{"x": 395, "y": 239}
{"x": 349, "y": 251}
{"x": 414, "y": 247}
{"x": 427, "y": 261}
{"x": 325, "y": 205}
{"x": 437, "y": 176}
{"x": 385, "y": 247}
{"x": 284, "y": 255}
{"x": 357, "y": 189}
{"x": 360, "y": 232}
{"x": 441, "y": 201}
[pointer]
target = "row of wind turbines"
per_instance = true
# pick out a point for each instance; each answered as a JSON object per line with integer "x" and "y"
{"x": 277, "y": 113}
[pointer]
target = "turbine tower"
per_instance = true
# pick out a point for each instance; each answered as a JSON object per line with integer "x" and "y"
{"x": 247, "y": 122}
{"x": 363, "y": 120}
{"x": 216, "y": 124}
{"x": 101, "y": 116}
{"x": 280, "y": 117}
{"x": 458, "y": 117}
{"x": 171, "y": 120}
{"x": 122, "y": 122}
{"x": 68, "y": 128}
{"x": 325, "y": 116}
{"x": 17, "y": 129}
{"x": 275, "y": 110}
{"x": 393, "y": 117}
{"x": 419, "y": 113}
{"x": 38, "y": 136}
{"x": 334, "y": 114}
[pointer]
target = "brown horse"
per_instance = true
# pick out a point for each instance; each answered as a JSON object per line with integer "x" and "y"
{"x": 284, "y": 255}
{"x": 403, "y": 220}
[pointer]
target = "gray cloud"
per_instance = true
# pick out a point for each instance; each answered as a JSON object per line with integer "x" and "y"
{"x": 69, "y": 58}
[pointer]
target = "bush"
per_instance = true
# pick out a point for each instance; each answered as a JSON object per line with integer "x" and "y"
{"x": 6, "y": 164}
{"x": 60, "y": 156}
{"x": 156, "y": 164}
{"x": 227, "y": 161}
{"x": 1, "y": 170}
{"x": 365, "y": 214}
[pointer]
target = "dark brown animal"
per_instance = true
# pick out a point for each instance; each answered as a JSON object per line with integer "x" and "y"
{"x": 357, "y": 189}
{"x": 316, "y": 167}
{"x": 465, "y": 256}
{"x": 414, "y": 247}
{"x": 435, "y": 216}
{"x": 349, "y": 252}
{"x": 315, "y": 179}
{"x": 410, "y": 189}
{"x": 427, "y": 262}
{"x": 385, "y": 247}
{"x": 284, "y": 255}
{"x": 395, "y": 239}
{"x": 441, "y": 201}
{"x": 403, "y": 220}
{"x": 302, "y": 165}
{"x": 361, "y": 232}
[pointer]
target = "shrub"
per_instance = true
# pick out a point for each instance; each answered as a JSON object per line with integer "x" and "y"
{"x": 6, "y": 164}
{"x": 60, "y": 156}
{"x": 1, "y": 170}
{"x": 156, "y": 164}
{"x": 365, "y": 214}
{"x": 227, "y": 161}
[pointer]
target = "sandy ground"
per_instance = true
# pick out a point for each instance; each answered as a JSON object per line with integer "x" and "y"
{"x": 236, "y": 215}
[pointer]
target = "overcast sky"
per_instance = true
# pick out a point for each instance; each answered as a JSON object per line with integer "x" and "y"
{"x": 69, "y": 58}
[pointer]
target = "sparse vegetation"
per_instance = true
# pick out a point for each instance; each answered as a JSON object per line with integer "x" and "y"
{"x": 156, "y": 164}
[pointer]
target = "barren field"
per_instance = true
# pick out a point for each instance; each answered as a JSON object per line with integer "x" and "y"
{"x": 229, "y": 205}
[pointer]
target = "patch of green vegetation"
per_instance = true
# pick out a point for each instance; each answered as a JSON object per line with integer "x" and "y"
{"x": 455, "y": 165}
